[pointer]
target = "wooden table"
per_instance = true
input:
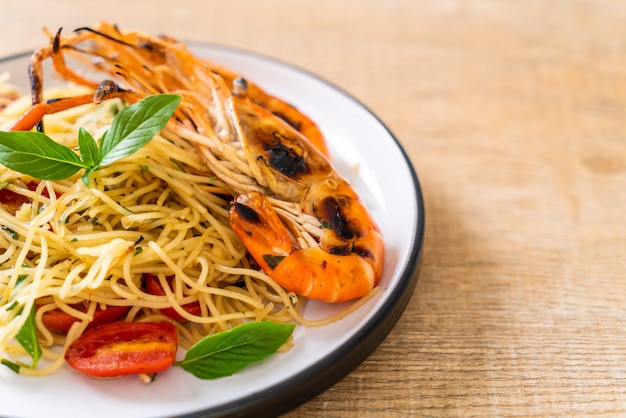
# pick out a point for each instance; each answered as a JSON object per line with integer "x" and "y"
{"x": 514, "y": 115}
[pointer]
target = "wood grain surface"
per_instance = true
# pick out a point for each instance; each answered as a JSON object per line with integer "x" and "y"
{"x": 514, "y": 115}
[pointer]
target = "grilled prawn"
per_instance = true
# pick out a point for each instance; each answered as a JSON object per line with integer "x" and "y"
{"x": 303, "y": 223}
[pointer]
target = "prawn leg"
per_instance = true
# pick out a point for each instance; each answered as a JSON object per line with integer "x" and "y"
{"x": 54, "y": 52}
{"x": 106, "y": 90}
{"x": 103, "y": 91}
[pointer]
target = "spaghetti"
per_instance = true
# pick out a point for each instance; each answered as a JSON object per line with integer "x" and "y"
{"x": 237, "y": 188}
{"x": 81, "y": 250}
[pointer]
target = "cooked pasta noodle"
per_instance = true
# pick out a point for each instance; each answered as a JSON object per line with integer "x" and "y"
{"x": 159, "y": 212}
{"x": 79, "y": 249}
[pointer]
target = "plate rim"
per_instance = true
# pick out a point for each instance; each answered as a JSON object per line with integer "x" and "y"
{"x": 318, "y": 377}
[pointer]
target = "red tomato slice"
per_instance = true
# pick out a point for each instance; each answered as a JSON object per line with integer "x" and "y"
{"x": 32, "y": 185}
{"x": 60, "y": 321}
{"x": 123, "y": 348}
{"x": 14, "y": 201}
{"x": 154, "y": 288}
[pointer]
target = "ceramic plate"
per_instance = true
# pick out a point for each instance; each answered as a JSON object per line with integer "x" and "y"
{"x": 370, "y": 157}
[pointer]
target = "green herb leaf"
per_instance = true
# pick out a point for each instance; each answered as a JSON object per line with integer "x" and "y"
{"x": 228, "y": 352}
{"x": 21, "y": 278}
{"x": 87, "y": 175}
{"x": 27, "y": 337}
{"x": 89, "y": 151}
{"x": 11, "y": 232}
{"x": 13, "y": 366}
{"x": 37, "y": 155}
{"x": 12, "y": 306}
{"x": 134, "y": 126}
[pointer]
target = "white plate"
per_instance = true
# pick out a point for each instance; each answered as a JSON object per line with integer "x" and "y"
{"x": 367, "y": 154}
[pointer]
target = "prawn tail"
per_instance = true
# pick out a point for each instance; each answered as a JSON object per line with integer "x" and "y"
{"x": 310, "y": 272}
{"x": 319, "y": 275}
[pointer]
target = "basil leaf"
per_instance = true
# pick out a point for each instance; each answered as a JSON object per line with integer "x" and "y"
{"x": 228, "y": 352}
{"x": 87, "y": 174}
{"x": 134, "y": 126}
{"x": 89, "y": 151}
{"x": 11, "y": 365}
{"x": 27, "y": 337}
{"x": 37, "y": 155}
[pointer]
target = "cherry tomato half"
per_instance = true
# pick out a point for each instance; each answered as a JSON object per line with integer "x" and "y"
{"x": 153, "y": 286}
{"x": 58, "y": 320}
{"x": 32, "y": 185}
{"x": 14, "y": 201}
{"x": 123, "y": 348}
